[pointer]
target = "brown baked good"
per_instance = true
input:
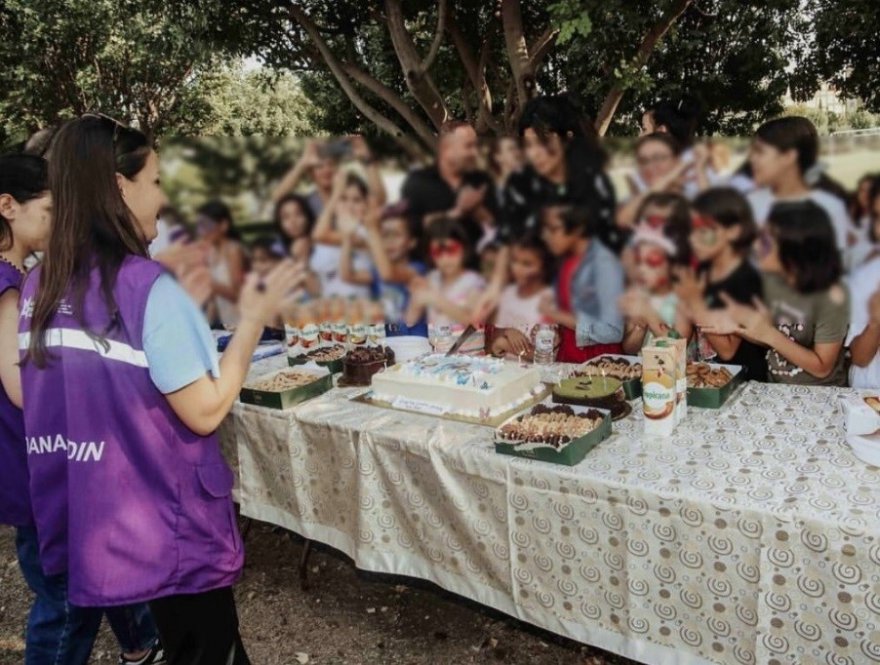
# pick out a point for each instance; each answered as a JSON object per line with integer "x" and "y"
{"x": 618, "y": 368}
{"x": 553, "y": 425}
{"x": 362, "y": 362}
{"x": 703, "y": 375}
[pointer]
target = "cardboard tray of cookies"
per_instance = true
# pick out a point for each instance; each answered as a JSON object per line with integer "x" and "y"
{"x": 561, "y": 434}
{"x": 285, "y": 388}
{"x": 331, "y": 357}
{"x": 710, "y": 384}
{"x": 628, "y": 369}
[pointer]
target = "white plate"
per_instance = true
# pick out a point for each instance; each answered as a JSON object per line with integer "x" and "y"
{"x": 866, "y": 448}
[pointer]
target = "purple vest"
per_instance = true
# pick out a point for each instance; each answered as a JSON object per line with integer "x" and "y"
{"x": 127, "y": 500}
{"x": 15, "y": 505}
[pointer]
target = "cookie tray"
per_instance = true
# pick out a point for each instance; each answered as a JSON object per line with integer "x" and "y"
{"x": 290, "y": 397}
{"x": 714, "y": 398}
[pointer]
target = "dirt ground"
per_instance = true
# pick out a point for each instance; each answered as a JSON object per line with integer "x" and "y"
{"x": 345, "y": 617}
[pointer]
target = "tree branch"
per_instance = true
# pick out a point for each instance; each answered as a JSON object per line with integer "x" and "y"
{"x": 371, "y": 113}
{"x": 442, "y": 8}
{"x": 517, "y": 51}
{"x": 476, "y": 72}
{"x": 649, "y": 42}
{"x": 541, "y": 47}
{"x": 386, "y": 94}
{"x": 419, "y": 82}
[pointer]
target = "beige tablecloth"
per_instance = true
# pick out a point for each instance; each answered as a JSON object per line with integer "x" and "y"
{"x": 750, "y": 536}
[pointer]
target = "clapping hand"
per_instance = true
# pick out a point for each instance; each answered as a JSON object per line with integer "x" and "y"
{"x": 751, "y": 322}
{"x": 468, "y": 198}
{"x": 261, "y": 299}
{"x": 689, "y": 287}
{"x": 635, "y": 304}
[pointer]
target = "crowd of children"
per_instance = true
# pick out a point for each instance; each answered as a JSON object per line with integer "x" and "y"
{"x": 686, "y": 250}
{"x": 768, "y": 268}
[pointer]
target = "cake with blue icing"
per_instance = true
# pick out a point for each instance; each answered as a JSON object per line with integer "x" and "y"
{"x": 481, "y": 387}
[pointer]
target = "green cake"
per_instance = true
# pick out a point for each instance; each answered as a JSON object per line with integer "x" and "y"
{"x": 601, "y": 392}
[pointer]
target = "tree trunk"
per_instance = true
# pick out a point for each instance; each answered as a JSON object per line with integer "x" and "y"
{"x": 517, "y": 52}
{"x": 419, "y": 82}
{"x": 649, "y": 42}
{"x": 336, "y": 68}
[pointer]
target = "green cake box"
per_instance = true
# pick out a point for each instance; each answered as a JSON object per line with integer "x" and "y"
{"x": 632, "y": 388}
{"x": 569, "y": 454}
{"x": 323, "y": 381}
{"x": 714, "y": 398}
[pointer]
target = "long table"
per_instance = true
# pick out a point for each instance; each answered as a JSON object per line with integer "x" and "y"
{"x": 750, "y": 536}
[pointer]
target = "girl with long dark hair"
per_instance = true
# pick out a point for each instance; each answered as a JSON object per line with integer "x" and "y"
{"x": 57, "y": 631}
{"x": 123, "y": 394}
{"x": 565, "y": 166}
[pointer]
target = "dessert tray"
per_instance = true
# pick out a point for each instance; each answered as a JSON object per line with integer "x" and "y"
{"x": 627, "y": 369}
{"x": 558, "y": 433}
{"x": 710, "y": 385}
{"x": 286, "y": 387}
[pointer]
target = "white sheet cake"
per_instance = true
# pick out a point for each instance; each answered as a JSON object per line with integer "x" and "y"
{"x": 480, "y": 387}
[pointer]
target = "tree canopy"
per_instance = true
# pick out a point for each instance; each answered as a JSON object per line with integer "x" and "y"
{"x": 399, "y": 69}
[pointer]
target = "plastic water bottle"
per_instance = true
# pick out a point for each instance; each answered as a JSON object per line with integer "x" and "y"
{"x": 442, "y": 338}
{"x": 545, "y": 343}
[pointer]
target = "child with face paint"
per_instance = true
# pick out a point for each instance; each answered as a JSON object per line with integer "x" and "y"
{"x": 723, "y": 233}
{"x": 123, "y": 393}
{"x": 651, "y": 305}
{"x": 449, "y": 292}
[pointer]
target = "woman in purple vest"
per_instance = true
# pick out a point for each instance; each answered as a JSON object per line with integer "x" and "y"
{"x": 57, "y": 632}
{"x": 122, "y": 398}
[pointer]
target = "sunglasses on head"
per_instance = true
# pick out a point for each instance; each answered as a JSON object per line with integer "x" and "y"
{"x": 106, "y": 118}
{"x": 450, "y": 247}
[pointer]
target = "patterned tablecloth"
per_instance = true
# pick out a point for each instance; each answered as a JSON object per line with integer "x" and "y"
{"x": 750, "y": 536}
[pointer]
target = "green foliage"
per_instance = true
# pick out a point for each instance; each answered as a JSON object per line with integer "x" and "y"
{"x": 159, "y": 65}
{"x": 241, "y": 170}
{"x": 256, "y": 102}
{"x": 846, "y": 48}
{"x": 571, "y": 20}
{"x": 730, "y": 55}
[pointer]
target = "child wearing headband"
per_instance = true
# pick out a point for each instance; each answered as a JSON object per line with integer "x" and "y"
{"x": 651, "y": 305}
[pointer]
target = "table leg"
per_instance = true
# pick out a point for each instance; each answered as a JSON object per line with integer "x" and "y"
{"x": 304, "y": 565}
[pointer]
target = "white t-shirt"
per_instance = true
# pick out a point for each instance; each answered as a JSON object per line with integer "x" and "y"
{"x": 762, "y": 201}
{"x": 862, "y": 284}
{"x": 520, "y": 313}
{"x": 324, "y": 262}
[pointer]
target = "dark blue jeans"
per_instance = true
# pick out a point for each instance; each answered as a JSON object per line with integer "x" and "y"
{"x": 59, "y": 633}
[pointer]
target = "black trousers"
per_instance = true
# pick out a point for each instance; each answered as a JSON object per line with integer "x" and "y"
{"x": 200, "y": 629}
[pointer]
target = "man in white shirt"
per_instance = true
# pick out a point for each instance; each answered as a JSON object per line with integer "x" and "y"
{"x": 783, "y": 151}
